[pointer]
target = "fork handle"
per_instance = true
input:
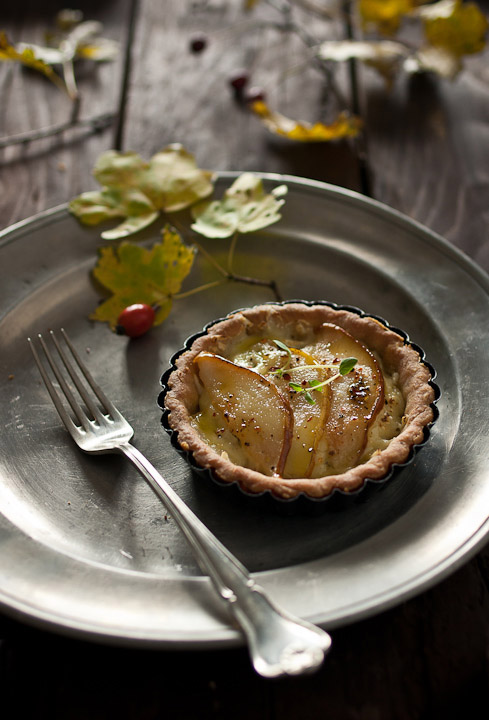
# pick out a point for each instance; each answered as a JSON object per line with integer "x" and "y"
{"x": 279, "y": 643}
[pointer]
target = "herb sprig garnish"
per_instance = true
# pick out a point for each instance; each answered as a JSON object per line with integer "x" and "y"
{"x": 344, "y": 367}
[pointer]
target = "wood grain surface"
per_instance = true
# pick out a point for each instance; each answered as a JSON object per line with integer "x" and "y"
{"x": 425, "y": 152}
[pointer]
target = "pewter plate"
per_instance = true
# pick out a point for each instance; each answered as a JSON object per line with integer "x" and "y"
{"x": 87, "y": 549}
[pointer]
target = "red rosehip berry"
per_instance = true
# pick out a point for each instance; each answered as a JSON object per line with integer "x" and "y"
{"x": 239, "y": 80}
{"x": 135, "y": 320}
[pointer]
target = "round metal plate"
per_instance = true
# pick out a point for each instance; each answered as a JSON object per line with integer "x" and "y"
{"x": 88, "y": 549}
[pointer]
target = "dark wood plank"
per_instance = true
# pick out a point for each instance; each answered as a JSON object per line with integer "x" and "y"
{"x": 177, "y": 96}
{"x": 428, "y": 151}
{"x": 48, "y": 172}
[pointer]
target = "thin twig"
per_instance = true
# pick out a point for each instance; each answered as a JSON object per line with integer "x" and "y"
{"x": 201, "y": 288}
{"x": 232, "y": 248}
{"x": 96, "y": 123}
{"x": 211, "y": 259}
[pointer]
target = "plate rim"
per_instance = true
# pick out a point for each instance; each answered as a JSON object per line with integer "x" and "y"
{"x": 438, "y": 571}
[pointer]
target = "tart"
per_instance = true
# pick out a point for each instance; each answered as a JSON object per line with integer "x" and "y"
{"x": 299, "y": 398}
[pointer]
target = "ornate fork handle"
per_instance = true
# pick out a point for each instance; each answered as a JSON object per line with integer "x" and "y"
{"x": 279, "y": 644}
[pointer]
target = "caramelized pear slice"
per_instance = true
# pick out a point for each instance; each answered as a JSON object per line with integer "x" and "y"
{"x": 309, "y": 417}
{"x": 356, "y": 399}
{"x": 253, "y": 410}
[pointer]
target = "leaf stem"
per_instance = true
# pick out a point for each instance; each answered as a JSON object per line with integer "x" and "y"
{"x": 231, "y": 276}
{"x": 194, "y": 291}
{"x": 232, "y": 248}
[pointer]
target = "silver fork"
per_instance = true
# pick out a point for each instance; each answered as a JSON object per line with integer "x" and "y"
{"x": 279, "y": 643}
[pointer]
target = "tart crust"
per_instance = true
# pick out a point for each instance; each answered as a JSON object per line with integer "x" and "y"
{"x": 299, "y": 319}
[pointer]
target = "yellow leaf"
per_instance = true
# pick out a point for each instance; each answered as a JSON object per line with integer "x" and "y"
{"x": 134, "y": 274}
{"x": 344, "y": 126}
{"x": 460, "y": 32}
{"x": 385, "y": 15}
{"x": 26, "y": 56}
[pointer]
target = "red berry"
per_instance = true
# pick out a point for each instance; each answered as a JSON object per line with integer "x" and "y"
{"x": 198, "y": 43}
{"x": 239, "y": 80}
{"x": 135, "y": 320}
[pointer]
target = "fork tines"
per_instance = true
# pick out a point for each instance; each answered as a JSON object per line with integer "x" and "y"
{"x": 66, "y": 364}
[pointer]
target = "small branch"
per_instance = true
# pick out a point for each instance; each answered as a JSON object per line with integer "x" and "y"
{"x": 96, "y": 123}
{"x": 271, "y": 284}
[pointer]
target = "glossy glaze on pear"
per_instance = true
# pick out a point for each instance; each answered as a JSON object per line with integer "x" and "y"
{"x": 246, "y": 405}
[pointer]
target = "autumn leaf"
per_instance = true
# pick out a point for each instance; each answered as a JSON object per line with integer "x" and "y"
{"x": 26, "y": 56}
{"x": 138, "y": 191}
{"x": 344, "y": 126}
{"x": 459, "y": 28}
{"x": 244, "y": 208}
{"x": 99, "y": 50}
{"x": 432, "y": 59}
{"x": 134, "y": 274}
{"x": 384, "y": 55}
{"x": 384, "y": 15}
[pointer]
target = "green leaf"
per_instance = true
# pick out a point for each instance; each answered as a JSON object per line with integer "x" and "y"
{"x": 120, "y": 171}
{"x": 244, "y": 208}
{"x": 138, "y": 190}
{"x": 134, "y": 274}
{"x": 130, "y": 226}
{"x": 173, "y": 181}
{"x": 347, "y": 365}
{"x": 96, "y": 206}
{"x": 296, "y": 387}
{"x": 283, "y": 346}
{"x": 316, "y": 385}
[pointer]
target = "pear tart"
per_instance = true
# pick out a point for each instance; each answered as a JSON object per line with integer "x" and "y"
{"x": 299, "y": 398}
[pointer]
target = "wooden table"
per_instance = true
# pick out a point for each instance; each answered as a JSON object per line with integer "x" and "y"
{"x": 425, "y": 152}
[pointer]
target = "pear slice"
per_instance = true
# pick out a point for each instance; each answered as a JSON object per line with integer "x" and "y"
{"x": 309, "y": 417}
{"x": 355, "y": 400}
{"x": 251, "y": 408}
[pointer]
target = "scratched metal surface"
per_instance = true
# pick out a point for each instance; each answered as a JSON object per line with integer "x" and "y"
{"x": 87, "y": 548}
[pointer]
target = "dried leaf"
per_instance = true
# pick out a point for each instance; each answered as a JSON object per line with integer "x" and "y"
{"x": 341, "y": 50}
{"x": 80, "y": 35}
{"x": 437, "y": 60}
{"x": 94, "y": 207}
{"x": 244, "y": 208}
{"x": 138, "y": 190}
{"x": 460, "y": 29}
{"x": 27, "y": 57}
{"x": 384, "y": 55}
{"x": 174, "y": 181}
{"x": 48, "y": 55}
{"x": 134, "y": 274}
{"x": 344, "y": 126}
{"x": 99, "y": 50}
{"x": 384, "y": 15}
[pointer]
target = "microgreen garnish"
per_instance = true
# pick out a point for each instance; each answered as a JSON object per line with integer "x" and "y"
{"x": 285, "y": 368}
{"x": 345, "y": 367}
{"x": 283, "y": 346}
